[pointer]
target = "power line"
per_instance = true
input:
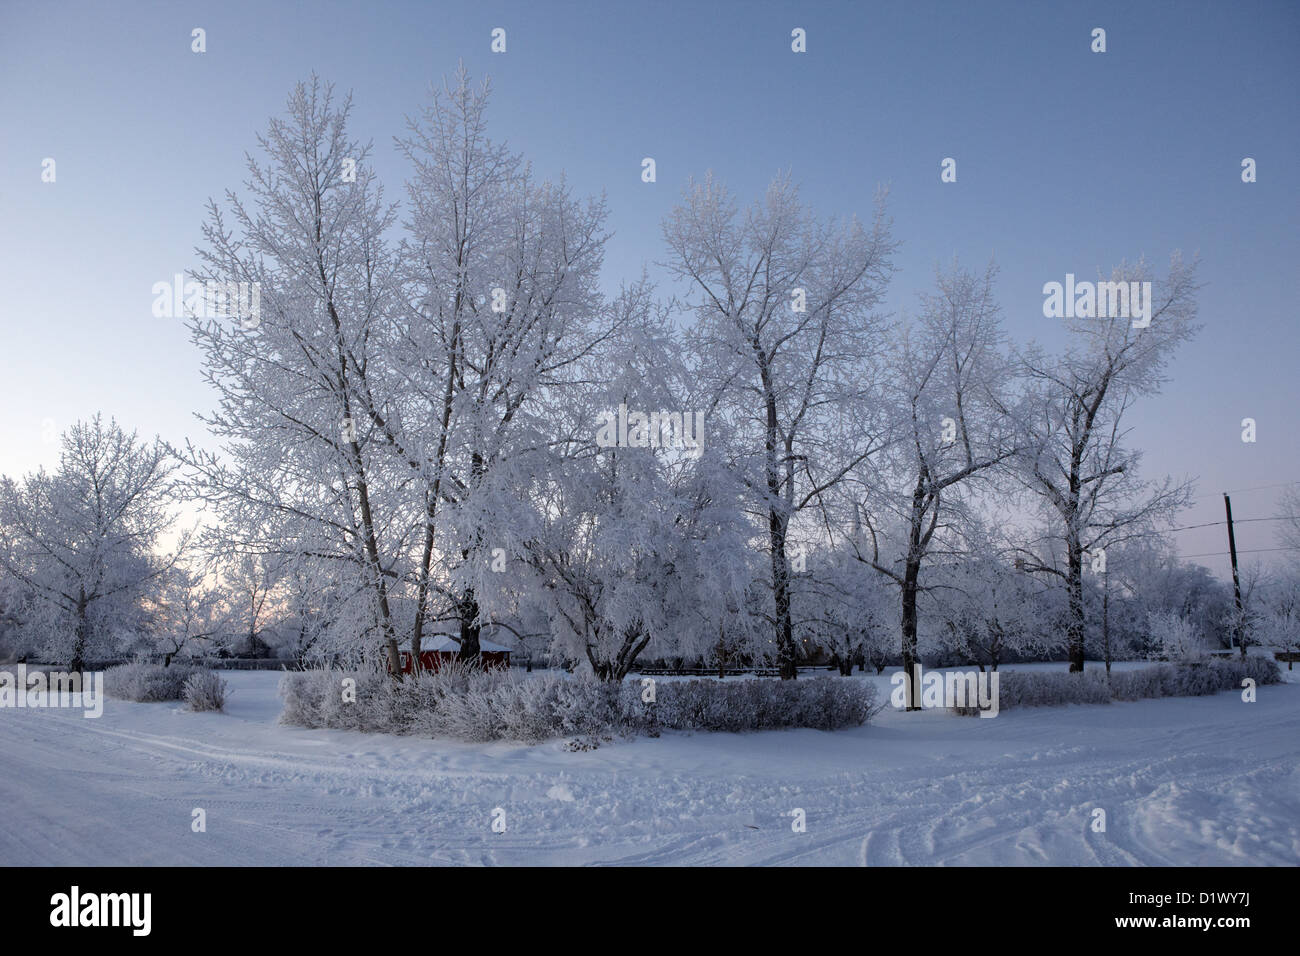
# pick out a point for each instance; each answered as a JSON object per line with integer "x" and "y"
{"x": 1211, "y": 524}
{"x": 1234, "y": 491}
{"x": 1213, "y": 554}
{"x": 1280, "y": 484}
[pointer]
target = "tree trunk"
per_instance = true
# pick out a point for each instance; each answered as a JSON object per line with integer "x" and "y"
{"x": 422, "y": 591}
{"x": 786, "y": 653}
{"x": 911, "y": 577}
{"x": 1074, "y": 628}
{"x": 79, "y": 635}
{"x": 777, "y": 526}
{"x": 358, "y": 465}
{"x": 469, "y": 627}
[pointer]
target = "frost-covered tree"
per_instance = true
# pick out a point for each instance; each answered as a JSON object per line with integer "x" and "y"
{"x": 1288, "y": 529}
{"x": 1075, "y": 459}
{"x": 949, "y": 390}
{"x": 84, "y": 542}
{"x": 190, "y": 610}
{"x": 311, "y": 598}
{"x": 640, "y": 539}
{"x": 785, "y": 333}
{"x": 1174, "y": 637}
{"x": 252, "y": 584}
{"x": 303, "y": 468}
{"x": 846, "y": 609}
{"x": 1280, "y": 617}
{"x": 990, "y": 610}
{"x": 1244, "y": 620}
{"x": 1146, "y": 576}
{"x": 501, "y": 302}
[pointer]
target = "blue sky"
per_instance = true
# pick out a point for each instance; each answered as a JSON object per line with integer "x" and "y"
{"x": 1067, "y": 161}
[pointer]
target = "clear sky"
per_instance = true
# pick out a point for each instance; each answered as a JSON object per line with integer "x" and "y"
{"x": 1067, "y": 161}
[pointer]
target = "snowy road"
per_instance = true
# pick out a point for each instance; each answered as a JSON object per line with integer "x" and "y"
{"x": 1184, "y": 781}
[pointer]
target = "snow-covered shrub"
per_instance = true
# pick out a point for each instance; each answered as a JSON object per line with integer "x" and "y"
{"x": 344, "y": 700}
{"x": 205, "y": 690}
{"x": 822, "y": 703}
{"x": 477, "y": 705}
{"x": 147, "y": 682}
{"x": 303, "y": 696}
{"x": 1038, "y": 689}
{"x": 1192, "y": 680}
{"x": 1175, "y": 638}
{"x": 1041, "y": 689}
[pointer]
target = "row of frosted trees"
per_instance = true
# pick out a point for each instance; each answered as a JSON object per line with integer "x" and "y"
{"x": 441, "y": 419}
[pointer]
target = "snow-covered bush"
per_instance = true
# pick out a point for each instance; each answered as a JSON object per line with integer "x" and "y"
{"x": 1040, "y": 689}
{"x": 205, "y": 690}
{"x": 1192, "y": 680}
{"x": 147, "y": 682}
{"x": 1175, "y": 638}
{"x": 1037, "y": 689}
{"x": 822, "y": 703}
{"x": 344, "y": 700}
{"x": 476, "y": 705}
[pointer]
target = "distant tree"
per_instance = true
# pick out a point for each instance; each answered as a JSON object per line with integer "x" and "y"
{"x": 1175, "y": 637}
{"x": 1245, "y": 623}
{"x": 84, "y": 541}
{"x": 845, "y": 608}
{"x": 1075, "y": 460}
{"x": 949, "y": 387}
{"x": 252, "y": 582}
{"x": 189, "y": 612}
{"x": 785, "y": 331}
{"x": 991, "y": 611}
{"x": 1280, "y": 623}
{"x": 642, "y": 544}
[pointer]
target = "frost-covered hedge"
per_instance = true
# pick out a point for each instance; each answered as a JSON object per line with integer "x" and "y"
{"x": 147, "y": 682}
{"x": 204, "y": 690}
{"x": 1040, "y": 689}
{"x": 823, "y": 703}
{"x": 476, "y": 705}
{"x": 1192, "y": 680}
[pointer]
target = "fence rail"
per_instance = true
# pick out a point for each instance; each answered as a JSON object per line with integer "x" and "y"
{"x": 706, "y": 671}
{"x": 216, "y": 663}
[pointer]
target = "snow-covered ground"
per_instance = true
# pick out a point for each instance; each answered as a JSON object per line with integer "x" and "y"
{"x": 1183, "y": 781}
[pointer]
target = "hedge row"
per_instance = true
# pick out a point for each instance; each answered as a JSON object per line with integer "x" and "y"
{"x": 477, "y": 705}
{"x": 1040, "y": 689}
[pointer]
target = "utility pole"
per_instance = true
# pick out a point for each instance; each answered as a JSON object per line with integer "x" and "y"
{"x": 1236, "y": 580}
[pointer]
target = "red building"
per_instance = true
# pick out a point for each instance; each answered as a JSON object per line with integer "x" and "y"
{"x": 443, "y": 647}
